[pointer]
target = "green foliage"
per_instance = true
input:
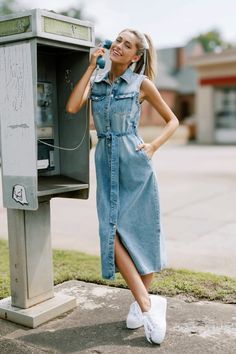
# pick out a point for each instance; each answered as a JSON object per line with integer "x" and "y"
{"x": 8, "y": 7}
{"x": 4, "y": 270}
{"x": 72, "y": 265}
{"x": 199, "y": 285}
{"x": 212, "y": 41}
{"x": 73, "y": 12}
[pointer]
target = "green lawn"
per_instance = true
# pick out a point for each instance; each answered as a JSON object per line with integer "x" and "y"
{"x": 69, "y": 265}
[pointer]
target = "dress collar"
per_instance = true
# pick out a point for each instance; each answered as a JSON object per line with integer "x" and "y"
{"x": 126, "y": 76}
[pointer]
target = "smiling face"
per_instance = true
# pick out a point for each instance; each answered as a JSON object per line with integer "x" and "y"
{"x": 124, "y": 49}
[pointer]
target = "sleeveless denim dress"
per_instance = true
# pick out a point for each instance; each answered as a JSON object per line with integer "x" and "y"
{"x": 127, "y": 191}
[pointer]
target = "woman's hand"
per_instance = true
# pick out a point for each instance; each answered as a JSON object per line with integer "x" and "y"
{"x": 100, "y": 51}
{"x": 148, "y": 148}
{"x": 80, "y": 92}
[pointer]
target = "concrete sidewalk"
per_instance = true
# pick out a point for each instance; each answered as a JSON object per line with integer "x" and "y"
{"x": 97, "y": 325}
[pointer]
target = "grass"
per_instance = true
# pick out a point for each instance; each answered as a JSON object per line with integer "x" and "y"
{"x": 72, "y": 265}
{"x": 4, "y": 270}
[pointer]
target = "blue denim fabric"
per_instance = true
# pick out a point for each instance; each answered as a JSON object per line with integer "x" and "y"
{"x": 127, "y": 191}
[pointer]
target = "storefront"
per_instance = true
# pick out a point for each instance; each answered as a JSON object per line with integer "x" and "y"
{"x": 215, "y": 104}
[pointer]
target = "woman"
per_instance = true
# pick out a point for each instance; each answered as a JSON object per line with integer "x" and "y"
{"x": 131, "y": 238}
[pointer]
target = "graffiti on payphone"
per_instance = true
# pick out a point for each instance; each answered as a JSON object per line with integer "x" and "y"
{"x": 45, "y": 126}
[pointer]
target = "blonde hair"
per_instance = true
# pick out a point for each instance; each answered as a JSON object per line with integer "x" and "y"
{"x": 144, "y": 43}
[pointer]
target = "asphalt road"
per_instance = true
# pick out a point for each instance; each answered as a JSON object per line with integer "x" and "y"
{"x": 197, "y": 186}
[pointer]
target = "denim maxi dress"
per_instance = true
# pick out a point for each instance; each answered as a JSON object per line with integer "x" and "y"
{"x": 127, "y": 192}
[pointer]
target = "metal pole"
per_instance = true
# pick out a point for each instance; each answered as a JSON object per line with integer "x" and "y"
{"x": 32, "y": 300}
{"x": 30, "y": 251}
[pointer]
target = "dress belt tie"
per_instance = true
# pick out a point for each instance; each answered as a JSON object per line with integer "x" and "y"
{"x": 114, "y": 171}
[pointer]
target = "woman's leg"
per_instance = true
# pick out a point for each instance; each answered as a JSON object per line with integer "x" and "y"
{"x": 131, "y": 275}
{"x": 147, "y": 279}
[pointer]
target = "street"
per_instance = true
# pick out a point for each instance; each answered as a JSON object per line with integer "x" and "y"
{"x": 197, "y": 186}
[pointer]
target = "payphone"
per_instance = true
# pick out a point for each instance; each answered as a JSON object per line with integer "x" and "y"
{"x": 45, "y": 150}
{"x": 42, "y": 54}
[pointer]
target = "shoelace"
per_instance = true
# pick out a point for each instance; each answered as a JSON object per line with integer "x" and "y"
{"x": 148, "y": 327}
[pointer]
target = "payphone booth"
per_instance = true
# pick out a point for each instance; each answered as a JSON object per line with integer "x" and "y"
{"x": 45, "y": 151}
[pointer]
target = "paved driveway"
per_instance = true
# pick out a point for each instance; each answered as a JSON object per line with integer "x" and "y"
{"x": 198, "y": 203}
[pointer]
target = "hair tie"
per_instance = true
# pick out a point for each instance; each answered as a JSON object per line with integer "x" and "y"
{"x": 145, "y": 42}
{"x": 144, "y": 62}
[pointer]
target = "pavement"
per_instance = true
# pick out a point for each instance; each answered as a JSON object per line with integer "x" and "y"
{"x": 197, "y": 194}
{"x": 97, "y": 325}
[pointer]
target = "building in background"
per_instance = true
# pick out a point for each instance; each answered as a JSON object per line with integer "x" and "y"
{"x": 216, "y": 97}
{"x": 176, "y": 82}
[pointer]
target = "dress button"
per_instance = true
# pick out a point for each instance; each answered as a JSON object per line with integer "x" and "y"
{"x": 114, "y": 226}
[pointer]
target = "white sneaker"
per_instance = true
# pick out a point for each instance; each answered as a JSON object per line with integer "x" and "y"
{"x": 154, "y": 320}
{"x": 135, "y": 317}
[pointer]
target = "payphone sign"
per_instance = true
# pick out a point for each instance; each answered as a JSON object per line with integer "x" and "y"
{"x": 15, "y": 26}
{"x": 62, "y": 28}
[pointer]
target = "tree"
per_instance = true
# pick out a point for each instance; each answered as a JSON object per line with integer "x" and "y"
{"x": 8, "y": 6}
{"x": 73, "y": 12}
{"x": 212, "y": 41}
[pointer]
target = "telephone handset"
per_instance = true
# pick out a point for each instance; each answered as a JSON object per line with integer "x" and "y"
{"x": 100, "y": 60}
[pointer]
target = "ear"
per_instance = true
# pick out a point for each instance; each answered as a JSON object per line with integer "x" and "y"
{"x": 136, "y": 58}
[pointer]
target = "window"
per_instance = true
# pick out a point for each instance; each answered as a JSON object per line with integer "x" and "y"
{"x": 225, "y": 107}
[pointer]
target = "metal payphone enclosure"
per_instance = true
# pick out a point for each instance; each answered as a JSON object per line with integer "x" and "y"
{"x": 42, "y": 55}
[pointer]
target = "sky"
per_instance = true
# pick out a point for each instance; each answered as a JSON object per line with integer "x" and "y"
{"x": 169, "y": 22}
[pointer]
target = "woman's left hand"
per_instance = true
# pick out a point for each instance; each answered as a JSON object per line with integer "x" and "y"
{"x": 148, "y": 148}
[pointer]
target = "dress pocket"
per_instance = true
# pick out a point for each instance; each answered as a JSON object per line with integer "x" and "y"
{"x": 145, "y": 155}
{"x": 142, "y": 152}
{"x": 123, "y": 102}
{"x": 97, "y": 104}
{"x": 96, "y": 98}
{"x": 125, "y": 95}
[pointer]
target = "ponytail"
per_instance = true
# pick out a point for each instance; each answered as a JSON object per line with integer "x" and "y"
{"x": 151, "y": 60}
{"x": 148, "y": 61}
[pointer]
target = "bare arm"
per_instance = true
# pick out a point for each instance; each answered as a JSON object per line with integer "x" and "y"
{"x": 150, "y": 93}
{"x": 80, "y": 92}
